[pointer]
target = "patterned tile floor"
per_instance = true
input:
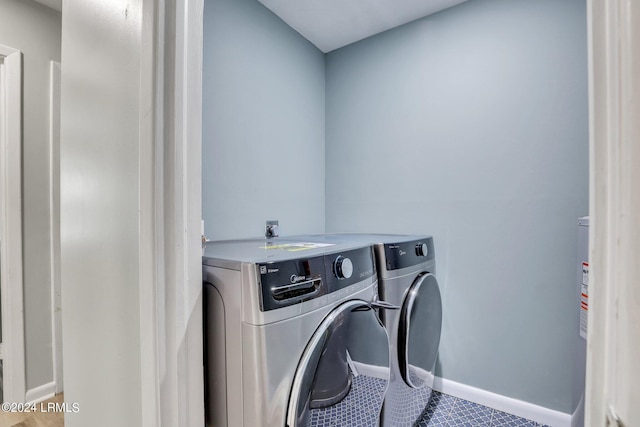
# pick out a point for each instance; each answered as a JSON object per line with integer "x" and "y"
{"x": 404, "y": 405}
{"x": 444, "y": 410}
{"x": 360, "y": 409}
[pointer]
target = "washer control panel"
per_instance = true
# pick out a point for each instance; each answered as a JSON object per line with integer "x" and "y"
{"x": 343, "y": 267}
{"x": 285, "y": 283}
{"x": 408, "y": 254}
{"x": 349, "y": 267}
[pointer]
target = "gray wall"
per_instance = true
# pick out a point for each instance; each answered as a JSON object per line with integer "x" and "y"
{"x": 35, "y": 30}
{"x": 263, "y": 124}
{"x": 471, "y": 125}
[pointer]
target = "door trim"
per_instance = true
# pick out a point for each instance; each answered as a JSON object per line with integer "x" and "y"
{"x": 54, "y": 207}
{"x": 614, "y": 90}
{"x": 170, "y": 214}
{"x": 11, "y": 273}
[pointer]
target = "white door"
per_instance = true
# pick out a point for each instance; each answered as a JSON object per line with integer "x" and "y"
{"x": 130, "y": 211}
{"x": 613, "y": 349}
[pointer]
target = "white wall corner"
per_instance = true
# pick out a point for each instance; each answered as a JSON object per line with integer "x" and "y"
{"x": 517, "y": 407}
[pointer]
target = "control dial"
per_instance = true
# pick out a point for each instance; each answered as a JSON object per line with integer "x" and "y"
{"x": 422, "y": 249}
{"x": 343, "y": 267}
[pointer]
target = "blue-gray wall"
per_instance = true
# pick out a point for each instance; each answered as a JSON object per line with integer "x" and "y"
{"x": 471, "y": 125}
{"x": 263, "y": 123}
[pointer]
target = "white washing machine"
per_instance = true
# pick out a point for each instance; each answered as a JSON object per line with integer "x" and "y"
{"x": 292, "y": 337}
{"x": 406, "y": 278}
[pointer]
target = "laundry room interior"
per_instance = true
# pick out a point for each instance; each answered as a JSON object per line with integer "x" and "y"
{"x": 470, "y": 125}
{"x": 151, "y": 144}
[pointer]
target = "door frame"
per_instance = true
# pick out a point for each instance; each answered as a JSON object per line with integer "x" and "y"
{"x": 170, "y": 214}
{"x": 54, "y": 208}
{"x": 613, "y": 339}
{"x": 608, "y": 38}
{"x": 11, "y": 273}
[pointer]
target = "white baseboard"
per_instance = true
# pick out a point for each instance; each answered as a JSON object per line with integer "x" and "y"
{"x": 577, "y": 418}
{"x": 520, "y": 408}
{"x": 40, "y": 393}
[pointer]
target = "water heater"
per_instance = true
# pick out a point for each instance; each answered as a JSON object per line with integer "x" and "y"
{"x": 581, "y": 309}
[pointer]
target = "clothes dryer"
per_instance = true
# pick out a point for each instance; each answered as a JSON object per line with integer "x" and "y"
{"x": 407, "y": 278}
{"x": 290, "y": 328}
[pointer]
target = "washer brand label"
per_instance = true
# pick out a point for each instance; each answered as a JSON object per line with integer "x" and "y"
{"x": 397, "y": 247}
{"x": 296, "y": 279}
{"x": 273, "y": 270}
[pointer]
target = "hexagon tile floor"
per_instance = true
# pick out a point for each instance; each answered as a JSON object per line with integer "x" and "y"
{"x": 358, "y": 409}
{"x": 444, "y": 410}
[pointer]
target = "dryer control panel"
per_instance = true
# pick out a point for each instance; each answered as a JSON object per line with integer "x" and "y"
{"x": 408, "y": 254}
{"x": 285, "y": 283}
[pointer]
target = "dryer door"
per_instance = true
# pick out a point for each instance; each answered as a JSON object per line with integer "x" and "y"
{"x": 343, "y": 374}
{"x": 419, "y": 331}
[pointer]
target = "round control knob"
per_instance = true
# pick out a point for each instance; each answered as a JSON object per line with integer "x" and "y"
{"x": 422, "y": 249}
{"x": 343, "y": 267}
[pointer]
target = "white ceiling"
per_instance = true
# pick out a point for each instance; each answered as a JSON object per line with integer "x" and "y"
{"x": 331, "y": 24}
{"x": 53, "y": 4}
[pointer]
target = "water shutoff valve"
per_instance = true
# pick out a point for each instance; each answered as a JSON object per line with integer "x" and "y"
{"x": 271, "y": 230}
